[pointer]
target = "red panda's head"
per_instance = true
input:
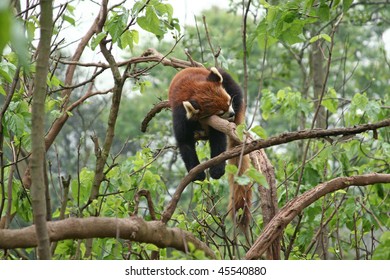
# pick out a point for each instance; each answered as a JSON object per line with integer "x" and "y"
{"x": 201, "y": 93}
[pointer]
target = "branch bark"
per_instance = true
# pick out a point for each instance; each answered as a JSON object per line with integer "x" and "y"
{"x": 295, "y": 206}
{"x": 134, "y": 229}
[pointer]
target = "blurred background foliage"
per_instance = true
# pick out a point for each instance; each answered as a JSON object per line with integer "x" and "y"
{"x": 281, "y": 40}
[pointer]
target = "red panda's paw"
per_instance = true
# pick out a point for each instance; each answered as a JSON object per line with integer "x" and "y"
{"x": 217, "y": 171}
{"x": 200, "y": 177}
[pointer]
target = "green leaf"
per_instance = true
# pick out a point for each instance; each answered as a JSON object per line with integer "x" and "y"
{"x": 335, "y": 4}
{"x": 345, "y": 163}
{"x": 97, "y": 39}
{"x": 373, "y": 109}
{"x": 69, "y": 19}
{"x": 16, "y": 122}
{"x": 346, "y": 5}
{"x": 240, "y": 131}
{"x": 151, "y": 247}
{"x": 324, "y": 12}
{"x": 264, "y": 39}
{"x": 49, "y": 105}
{"x": 382, "y": 251}
{"x": 292, "y": 32}
{"x": 330, "y": 101}
{"x": 129, "y": 38}
{"x": 86, "y": 180}
{"x": 257, "y": 176}
{"x": 20, "y": 44}
{"x": 163, "y": 9}
{"x": 326, "y": 37}
{"x": 268, "y": 102}
{"x": 260, "y": 131}
{"x": 150, "y": 22}
{"x": 380, "y": 190}
{"x": 116, "y": 25}
{"x": 30, "y": 28}
{"x": 281, "y": 95}
{"x": 265, "y": 4}
{"x": 308, "y": 5}
{"x": 341, "y": 191}
{"x": 231, "y": 169}
{"x": 70, "y": 8}
{"x": 289, "y": 16}
{"x": 359, "y": 101}
{"x": 2, "y": 91}
{"x": 5, "y": 74}
{"x": 5, "y": 23}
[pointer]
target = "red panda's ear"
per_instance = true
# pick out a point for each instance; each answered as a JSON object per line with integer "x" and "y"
{"x": 215, "y": 76}
{"x": 190, "y": 110}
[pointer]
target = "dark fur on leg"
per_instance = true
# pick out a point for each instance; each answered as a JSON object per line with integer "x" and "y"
{"x": 184, "y": 133}
{"x": 218, "y": 144}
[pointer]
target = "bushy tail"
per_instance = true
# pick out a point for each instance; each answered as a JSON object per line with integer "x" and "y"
{"x": 240, "y": 195}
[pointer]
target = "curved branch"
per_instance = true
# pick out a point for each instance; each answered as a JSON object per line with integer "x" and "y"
{"x": 134, "y": 229}
{"x": 296, "y": 205}
{"x": 146, "y": 194}
{"x": 154, "y": 111}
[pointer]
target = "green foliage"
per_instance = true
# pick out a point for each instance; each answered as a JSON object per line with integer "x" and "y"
{"x": 382, "y": 251}
{"x": 259, "y": 131}
{"x": 285, "y": 103}
{"x": 5, "y": 22}
{"x": 157, "y": 18}
{"x": 285, "y": 33}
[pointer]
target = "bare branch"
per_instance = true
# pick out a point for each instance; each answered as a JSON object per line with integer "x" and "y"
{"x": 58, "y": 124}
{"x": 134, "y": 229}
{"x": 154, "y": 111}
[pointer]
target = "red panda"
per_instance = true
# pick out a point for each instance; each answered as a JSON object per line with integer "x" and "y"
{"x": 197, "y": 93}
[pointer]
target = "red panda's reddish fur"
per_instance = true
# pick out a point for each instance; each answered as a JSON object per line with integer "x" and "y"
{"x": 192, "y": 84}
{"x": 240, "y": 195}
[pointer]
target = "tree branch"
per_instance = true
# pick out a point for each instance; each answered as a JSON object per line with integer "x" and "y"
{"x": 154, "y": 111}
{"x": 134, "y": 229}
{"x": 59, "y": 123}
{"x": 262, "y": 144}
{"x": 296, "y": 205}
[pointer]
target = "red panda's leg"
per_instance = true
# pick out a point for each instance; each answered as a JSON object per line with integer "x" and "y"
{"x": 217, "y": 142}
{"x": 190, "y": 158}
{"x": 184, "y": 133}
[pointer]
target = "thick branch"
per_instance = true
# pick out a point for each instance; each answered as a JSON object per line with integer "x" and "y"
{"x": 296, "y": 205}
{"x": 134, "y": 229}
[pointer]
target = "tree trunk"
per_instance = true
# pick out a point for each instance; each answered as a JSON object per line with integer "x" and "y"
{"x": 38, "y": 187}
